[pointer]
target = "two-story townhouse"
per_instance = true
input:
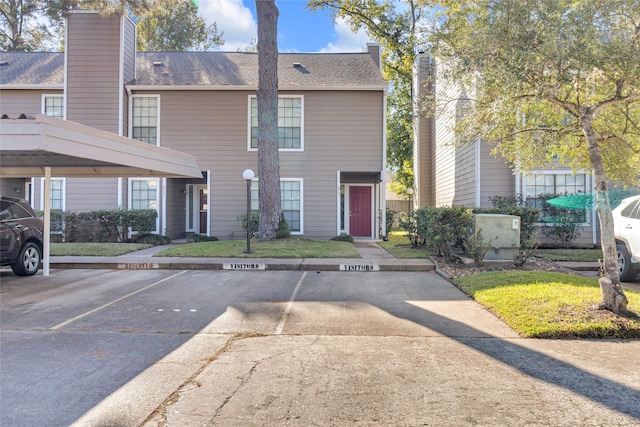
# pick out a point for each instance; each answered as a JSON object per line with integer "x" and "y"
{"x": 446, "y": 174}
{"x": 332, "y": 114}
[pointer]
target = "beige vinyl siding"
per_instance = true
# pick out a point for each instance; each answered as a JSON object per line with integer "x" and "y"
{"x": 93, "y": 71}
{"x": 424, "y": 133}
{"x": 84, "y": 194}
{"x": 23, "y": 101}
{"x": 128, "y": 67}
{"x": 497, "y": 178}
{"x": 455, "y": 166}
{"x": 213, "y": 126}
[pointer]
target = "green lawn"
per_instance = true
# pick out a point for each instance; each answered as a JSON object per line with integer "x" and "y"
{"x": 95, "y": 249}
{"x": 285, "y": 248}
{"x": 540, "y": 304}
{"x": 587, "y": 255}
{"x": 400, "y": 246}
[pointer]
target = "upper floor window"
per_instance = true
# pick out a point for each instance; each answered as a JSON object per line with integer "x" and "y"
{"x": 290, "y": 123}
{"x": 144, "y": 118}
{"x": 53, "y": 105}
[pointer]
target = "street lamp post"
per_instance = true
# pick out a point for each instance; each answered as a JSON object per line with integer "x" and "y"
{"x": 248, "y": 175}
{"x": 410, "y": 193}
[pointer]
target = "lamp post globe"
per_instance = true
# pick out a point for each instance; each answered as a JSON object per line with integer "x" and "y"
{"x": 248, "y": 175}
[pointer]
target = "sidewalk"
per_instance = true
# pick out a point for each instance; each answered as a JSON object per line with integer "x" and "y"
{"x": 374, "y": 258}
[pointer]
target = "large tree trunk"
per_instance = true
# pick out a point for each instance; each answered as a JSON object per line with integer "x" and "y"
{"x": 613, "y": 298}
{"x": 267, "y": 97}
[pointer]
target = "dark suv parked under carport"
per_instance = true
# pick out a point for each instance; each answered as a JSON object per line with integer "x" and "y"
{"x": 20, "y": 236}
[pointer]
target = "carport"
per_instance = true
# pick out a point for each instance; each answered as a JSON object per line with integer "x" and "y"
{"x": 39, "y": 146}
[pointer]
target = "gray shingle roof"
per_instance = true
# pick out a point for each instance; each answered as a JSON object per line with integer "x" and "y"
{"x": 32, "y": 68}
{"x": 221, "y": 69}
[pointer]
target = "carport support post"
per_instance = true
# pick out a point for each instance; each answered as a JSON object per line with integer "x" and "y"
{"x": 46, "y": 239}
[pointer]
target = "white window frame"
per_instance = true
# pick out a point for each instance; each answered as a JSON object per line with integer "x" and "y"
{"x": 588, "y": 183}
{"x": 255, "y": 207}
{"x": 158, "y": 189}
{"x": 301, "y": 97}
{"x": 63, "y": 180}
{"x": 53, "y": 95}
{"x": 157, "y": 115}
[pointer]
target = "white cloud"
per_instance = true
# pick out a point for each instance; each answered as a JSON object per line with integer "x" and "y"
{"x": 232, "y": 18}
{"x": 347, "y": 40}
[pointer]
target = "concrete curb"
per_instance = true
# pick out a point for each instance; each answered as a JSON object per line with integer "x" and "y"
{"x": 307, "y": 264}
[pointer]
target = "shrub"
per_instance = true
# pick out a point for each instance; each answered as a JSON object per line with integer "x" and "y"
{"x": 561, "y": 224}
{"x": 438, "y": 228}
{"x": 390, "y": 218}
{"x": 475, "y": 246}
{"x": 255, "y": 221}
{"x": 282, "y": 232}
{"x": 195, "y": 238}
{"x": 343, "y": 238}
{"x": 152, "y": 239}
{"x": 101, "y": 225}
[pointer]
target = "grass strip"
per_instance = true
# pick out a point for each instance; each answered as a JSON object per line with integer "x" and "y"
{"x": 95, "y": 249}
{"x": 539, "y": 304}
{"x": 281, "y": 248}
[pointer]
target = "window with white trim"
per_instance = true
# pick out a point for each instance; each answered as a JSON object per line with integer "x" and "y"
{"x": 53, "y": 105}
{"x": 290, "y": 123}
{"x": 144, "y": 118}
{"x": 57, "y": 193}
{"x": 291, "y": 198}
{"x": 554, "y": 182}
{"x": 143, "y": 194}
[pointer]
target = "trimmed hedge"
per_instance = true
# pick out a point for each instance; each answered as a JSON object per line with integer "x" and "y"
{"x": 101, "y": 225}
{"x": 446, "y": 228}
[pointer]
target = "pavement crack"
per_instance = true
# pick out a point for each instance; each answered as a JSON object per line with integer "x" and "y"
{"x": 245, "y": 380}
{"x": 159, "y": 416}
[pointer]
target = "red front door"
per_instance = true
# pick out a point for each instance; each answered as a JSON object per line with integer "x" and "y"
{"x": 360, "y": 211}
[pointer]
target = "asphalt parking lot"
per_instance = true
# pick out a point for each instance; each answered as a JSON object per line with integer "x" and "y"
{"x": 167, "y": 347}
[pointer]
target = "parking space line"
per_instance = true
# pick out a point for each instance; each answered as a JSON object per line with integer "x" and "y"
{"x": 66, "y": 322}
{"x": 283, "y": 319}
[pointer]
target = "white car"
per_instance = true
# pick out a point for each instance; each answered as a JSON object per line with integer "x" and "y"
{"x": 626, "y": 223}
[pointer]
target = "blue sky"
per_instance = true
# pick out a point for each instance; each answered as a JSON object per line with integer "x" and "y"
{"x": 299, "y": 30}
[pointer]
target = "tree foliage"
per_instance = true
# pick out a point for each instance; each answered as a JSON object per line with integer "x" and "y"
{"x": 175, "y": 25}
{"x": 547, "y": 82}
{"x": 20, "y": 29}
{"x": 395, "y": 25}
{"x": 57, "y": 10}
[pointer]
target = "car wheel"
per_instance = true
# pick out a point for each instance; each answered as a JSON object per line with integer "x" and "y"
{"x": 28, "y": 261}
{"x": 627, "y": 273}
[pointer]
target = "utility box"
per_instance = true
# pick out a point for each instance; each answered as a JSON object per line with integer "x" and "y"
{"x": 503, "y": 231}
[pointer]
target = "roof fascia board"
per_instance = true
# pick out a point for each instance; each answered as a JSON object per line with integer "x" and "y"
{"x": 32, "y": 87}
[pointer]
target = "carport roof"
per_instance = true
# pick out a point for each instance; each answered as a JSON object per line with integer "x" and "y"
{"x": 29, "y": 144}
